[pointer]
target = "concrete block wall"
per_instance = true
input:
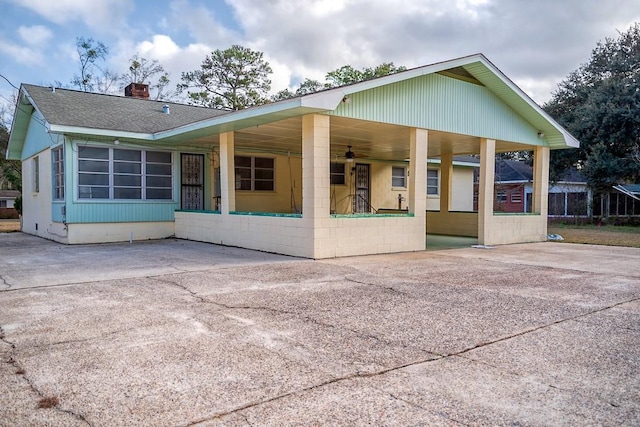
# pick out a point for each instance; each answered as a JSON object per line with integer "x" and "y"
{"x": 332, "y": 237}
{"x": 116, "y": 232}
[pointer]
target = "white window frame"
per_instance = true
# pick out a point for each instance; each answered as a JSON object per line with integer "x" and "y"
{"x": 517, "y": 198}
{"x": 253, "y": 169}
{"x": 112, "y": 174}
{"x": 57, "y": 162}
{"x": 431, "y": 187}
{"x": 396, "y": 176}
{"x": 337, "y": 177}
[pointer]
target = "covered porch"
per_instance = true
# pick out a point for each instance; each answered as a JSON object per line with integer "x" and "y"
{"x": 314, "y": 199}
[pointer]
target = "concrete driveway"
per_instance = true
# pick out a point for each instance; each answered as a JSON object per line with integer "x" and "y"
{"x": 178, "y": 333}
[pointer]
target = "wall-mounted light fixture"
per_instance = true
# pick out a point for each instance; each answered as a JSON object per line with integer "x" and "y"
{"x": 540, "y": 135}
{"x": 116, "y": 141}
{"x": 346, "y": 100}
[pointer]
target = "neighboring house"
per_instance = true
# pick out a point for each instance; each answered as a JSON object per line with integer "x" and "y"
{"x": 568, "y": 197}
{"x": 308, "y": 176}
{"x": 622, "y": 201}
{"x": 8, "y": 198}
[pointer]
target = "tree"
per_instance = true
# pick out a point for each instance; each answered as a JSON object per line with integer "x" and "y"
{"x": 347, "y": 75}
{"x": 234, "y": 78}
{"x": 90, "y": 52}
{"x": 141, "y": 70}
{"x": 344, "y": 75}
{"x": 10, "y": 170}
{"x": 599, "y": 103}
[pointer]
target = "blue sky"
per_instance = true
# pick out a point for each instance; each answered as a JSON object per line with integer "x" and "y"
{"x": 537, "y": 43}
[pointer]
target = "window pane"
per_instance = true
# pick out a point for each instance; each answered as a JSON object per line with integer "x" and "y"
{"x": 155, "y": 169}
{"x": 159, "y": 181}
{"x": 158, "y": 157}
{"x": 261, "y": 162}
{"x": 159, "y": 193}
{"x": 397, "y": 182}
{"x": 86, "y": 192}
{"x": 127, "y": 167}
{"x": 264, "y": 186}
{"x": 243, "y": 161}
{"x": 243, "y": 173}
{"x": 93, "y": 153}
{"x": 127, "y": 180}
{"x": 264, "y": 174}
{"x": 127, "y": 193}
{"x": 337, "y": 168}
{"x": 93, "y": 179}
{"x": 93, "y": 166}
{"x": 244, "y": 184}
{"x": 130, "y": 155}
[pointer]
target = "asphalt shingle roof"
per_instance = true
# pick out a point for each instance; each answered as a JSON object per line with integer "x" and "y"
{"x": 74, "y": 108}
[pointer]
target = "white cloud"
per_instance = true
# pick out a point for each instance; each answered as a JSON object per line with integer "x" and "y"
{"x": 21, "y": 54}
{"x": 100, "y": 15}
{"x": 36, "y": 35}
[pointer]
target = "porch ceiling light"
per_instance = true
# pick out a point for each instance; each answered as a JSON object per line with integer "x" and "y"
{"x": 349, "y": 155}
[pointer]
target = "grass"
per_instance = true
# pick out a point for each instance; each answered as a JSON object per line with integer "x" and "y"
{"x": 609, "y": 235}
{"x": 9, "y": 225}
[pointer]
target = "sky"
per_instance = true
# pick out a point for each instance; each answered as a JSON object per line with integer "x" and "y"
{"x": 536, "y": 43}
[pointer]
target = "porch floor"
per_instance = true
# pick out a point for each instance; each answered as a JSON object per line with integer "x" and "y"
{"x": 438, "y": 242}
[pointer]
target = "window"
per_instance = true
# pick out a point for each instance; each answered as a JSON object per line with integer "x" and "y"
{"x": 399, "y": 176}
{"x": 501, "y": 196}
{"x": 432, "y": 182}
{"x": 516, "y": 196}
{"x": 337, "y": 174}
{"x": 58, "y": 173}
{"x": 112, "y": 173}
{"x": 254, "y": 173}
{"x": 3, "y": 203}
{"x": 36, "y": 174}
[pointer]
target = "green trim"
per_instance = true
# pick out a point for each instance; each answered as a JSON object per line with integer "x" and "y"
{"x": 198, "y": 211}
{"x": 515, "y": 214}
{"x": 272, "y": 214}
{"x": 367, "y": 215}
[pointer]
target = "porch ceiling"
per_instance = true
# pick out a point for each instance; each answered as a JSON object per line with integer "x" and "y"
{"x": 368, "y": 140}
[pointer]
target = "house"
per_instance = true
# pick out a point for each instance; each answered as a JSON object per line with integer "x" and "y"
{"x": 308, "y": 176}
{"x": 622, "y": 201}
{"x": 8, "y": 198}
{"x": 568, "y": 197}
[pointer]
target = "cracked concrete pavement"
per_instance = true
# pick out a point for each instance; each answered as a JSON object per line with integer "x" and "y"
{"x": 178, "y": 333}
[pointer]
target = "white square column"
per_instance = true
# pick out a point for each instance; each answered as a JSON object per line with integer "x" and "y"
{"x": 485, "y": 188}
{"x": 315, "y": 167}
{"x": 227, "y": 173}
{"x": 541, "y": 181}
{"x": 418, "y": 143}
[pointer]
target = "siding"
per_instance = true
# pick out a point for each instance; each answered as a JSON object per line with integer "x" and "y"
{"x": 441, "y": 103}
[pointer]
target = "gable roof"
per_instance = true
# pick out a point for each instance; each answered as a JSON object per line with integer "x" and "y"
{"x": 80, "y": 113}
{"x": 9, "y": 194}
{"x": 512, "y": 171}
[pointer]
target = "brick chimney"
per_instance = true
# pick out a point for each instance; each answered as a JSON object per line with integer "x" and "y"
{"x": 137, "y": 90}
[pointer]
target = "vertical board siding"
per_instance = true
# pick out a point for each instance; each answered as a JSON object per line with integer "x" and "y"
{"x": 441, "y": 103}
{"x": 117, "y": 211}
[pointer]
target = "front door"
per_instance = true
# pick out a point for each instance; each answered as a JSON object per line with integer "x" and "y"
{"x": 361, "y": 203}
{"x": 192, "y": 182}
